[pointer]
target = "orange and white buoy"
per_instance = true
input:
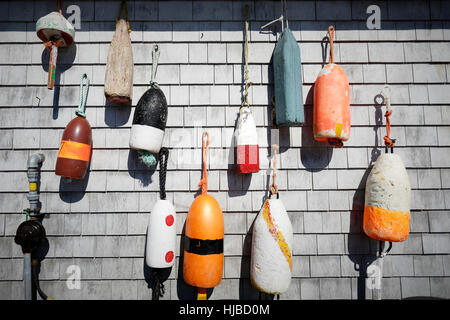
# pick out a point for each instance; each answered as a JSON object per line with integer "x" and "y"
{"x": 387, "y": 194}
{"x": 331, "y": 117}
{"x": 203, "y": 241}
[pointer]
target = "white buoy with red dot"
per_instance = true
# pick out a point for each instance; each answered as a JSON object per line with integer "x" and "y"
{"x": 161, "y": 233}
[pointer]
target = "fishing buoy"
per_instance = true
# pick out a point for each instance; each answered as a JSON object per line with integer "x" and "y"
{"x": 246, "y": 143}
{"x": 287, "y": 76}
{"x": 203, "y": 241}
{"x": 55, "y": 31}
{"x": 149, "y": 121}
{"x": 387, "y": 195}
{"x": 246, "y": 148}
{"x": 161, "y": 233}
{"x": 75, "y": 149}
{"x": 272, "y": 239}
{"x": 331, "y": 117}
{"x": 119, "y": 66}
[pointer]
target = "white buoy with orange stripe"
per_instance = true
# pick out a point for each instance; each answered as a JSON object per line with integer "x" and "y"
{"x": 203, "y": 240}
{"x": 331, "y": 116}
{"x": 272, "y": 239}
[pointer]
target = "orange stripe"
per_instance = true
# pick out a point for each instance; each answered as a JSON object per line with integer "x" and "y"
{"x": 276, "y": 234}
{"x": 74, "y": 150}
{"x": 386, "y": 225}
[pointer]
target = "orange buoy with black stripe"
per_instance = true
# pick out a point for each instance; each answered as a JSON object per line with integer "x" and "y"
{"x": 331, "y": 117}
{"x": 75, "y": 149}
{"x": 203, "y": 245}
{"x": 388, "y": 194}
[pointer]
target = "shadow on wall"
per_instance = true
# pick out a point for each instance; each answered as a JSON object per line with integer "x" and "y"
{"x": 117, "y": 115}
{"x": 65, "y": 59}
{"x": 155, "y": 278}
{"x": 362, "y": 249}
{"x": 71, "y": 191}
{"x": 210, "y": 13}
{"x": 246, "y": 289}
{"x": 314, "y": 155}
{"x": 138, "y": 170}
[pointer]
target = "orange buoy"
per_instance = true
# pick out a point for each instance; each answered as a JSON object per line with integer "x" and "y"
{"x": 331, "y": 118}
{"x": 203, "y": 244}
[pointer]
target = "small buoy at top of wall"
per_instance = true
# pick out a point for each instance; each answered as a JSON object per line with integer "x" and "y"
{"x": 55, "y": 31}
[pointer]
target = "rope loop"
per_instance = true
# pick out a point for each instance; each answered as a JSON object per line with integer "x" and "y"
{"x": 84, "y": 90}
{"x": 124, "y": 9}
{"x": 388, "y": 142}
{"x": 331, "y": 37}
{"x": 205, "y": 146}
{"x": 163, "y": 159}
{"x": 274, "y": 187}
{"x": 155, "y": 60}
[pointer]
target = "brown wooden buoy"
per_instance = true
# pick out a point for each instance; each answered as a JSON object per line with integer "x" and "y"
{"x": 119, "y": 66}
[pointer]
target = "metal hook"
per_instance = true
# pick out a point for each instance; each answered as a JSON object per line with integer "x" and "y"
{"x": 386, "y": 93}
{"x": 281, "y": 18}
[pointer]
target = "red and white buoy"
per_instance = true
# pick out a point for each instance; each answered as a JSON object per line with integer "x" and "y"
{"x": 246, "y": 154}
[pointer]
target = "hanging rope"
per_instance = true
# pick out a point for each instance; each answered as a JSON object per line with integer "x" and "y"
{"x": 155, "y": 60}
{"x": 59, "y": 6}
{"x": 163, "y": 158}
{"x": 124, "y": 9}
{"x": 331, "y": 36}
{"x": 204, "y": 181}
{"x": 274, "y": 187}
{"x": 388, "y": 142}
{"x": 284, "y": 14}
{"x": 84, "y": 90}
{"x": 158, "y": 286}
{"x": 247, "y": 84}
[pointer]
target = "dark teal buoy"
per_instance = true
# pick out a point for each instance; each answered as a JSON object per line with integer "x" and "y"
{"x": 287, "y": 77}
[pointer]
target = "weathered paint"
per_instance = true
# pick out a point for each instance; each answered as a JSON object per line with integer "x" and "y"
{"x": 271, "y": 255}
{"x": 246, "y": 153}
{"x": 387, "y": 200}
{"x": 149, "y": 121}
{"x": 287, "y": 71}
{"x": 331, "y": 115}
{"x": 119, "y": 67}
